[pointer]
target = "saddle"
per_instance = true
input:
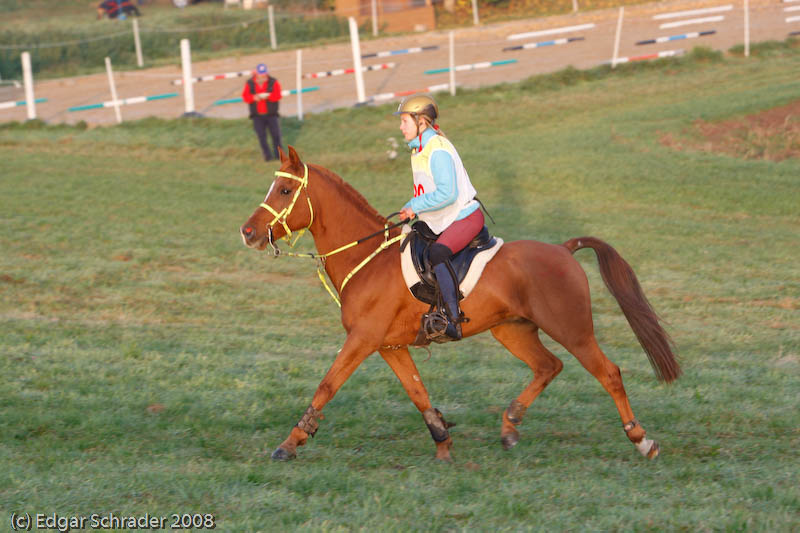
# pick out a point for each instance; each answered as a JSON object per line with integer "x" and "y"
{"x": 420, "y": 239}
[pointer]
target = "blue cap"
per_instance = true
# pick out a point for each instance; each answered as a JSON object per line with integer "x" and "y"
{"x": 261, "y": 68}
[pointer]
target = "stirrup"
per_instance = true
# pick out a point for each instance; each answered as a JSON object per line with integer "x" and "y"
{"x": 438, "y": 328}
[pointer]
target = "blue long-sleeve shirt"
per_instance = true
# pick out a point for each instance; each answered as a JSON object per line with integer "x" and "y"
{"x": 444, "y": 176}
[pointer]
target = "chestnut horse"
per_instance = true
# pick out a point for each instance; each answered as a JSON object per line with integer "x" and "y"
{"x": 528, "y": 286}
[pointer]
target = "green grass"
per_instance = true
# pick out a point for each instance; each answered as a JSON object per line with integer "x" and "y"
{"x": 151, "y": 362}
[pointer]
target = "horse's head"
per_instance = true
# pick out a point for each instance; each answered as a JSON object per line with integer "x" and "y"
{"x": 285, "y": 209}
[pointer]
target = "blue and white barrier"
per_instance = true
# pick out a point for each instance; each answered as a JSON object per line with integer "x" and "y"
{"x": 124, "y": 101}
{"x": 473, "y": 66}
{"x": 554, "y": 42}
{"x": 691, "y": 35}
{"x": 400, "y": 52}
{"x": 8, "y": 105}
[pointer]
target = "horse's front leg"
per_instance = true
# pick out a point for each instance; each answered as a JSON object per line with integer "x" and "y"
{"x": 406, "y": 371}
{"x": 356, "y": 348}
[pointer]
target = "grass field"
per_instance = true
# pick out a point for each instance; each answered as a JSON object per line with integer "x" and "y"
{"x": 151, "y": 363}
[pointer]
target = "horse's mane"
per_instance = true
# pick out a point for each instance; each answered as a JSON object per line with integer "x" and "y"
{"x": 351, "y": 192}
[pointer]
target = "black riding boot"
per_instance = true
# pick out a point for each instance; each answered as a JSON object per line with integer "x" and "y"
{"x": 449, "y": 292}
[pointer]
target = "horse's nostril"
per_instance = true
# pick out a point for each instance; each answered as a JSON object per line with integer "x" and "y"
{"x": 247, "y": 232}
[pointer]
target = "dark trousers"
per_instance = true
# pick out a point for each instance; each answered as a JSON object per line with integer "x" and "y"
{"x": 272, "y": 122}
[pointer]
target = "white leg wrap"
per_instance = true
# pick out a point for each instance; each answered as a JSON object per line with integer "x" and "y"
{"x": 644, "y": 446}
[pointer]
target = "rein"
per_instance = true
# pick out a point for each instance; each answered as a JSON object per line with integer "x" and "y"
{"x": 282, "y": 215}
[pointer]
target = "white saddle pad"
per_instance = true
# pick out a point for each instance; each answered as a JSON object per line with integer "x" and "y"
{"x": 470, "y": 280}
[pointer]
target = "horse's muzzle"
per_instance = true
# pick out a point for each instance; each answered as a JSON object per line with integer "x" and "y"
{"x": 249, "y": 236}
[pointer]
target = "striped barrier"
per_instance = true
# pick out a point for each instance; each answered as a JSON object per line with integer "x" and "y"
{"x": 665, "y": 53}
{"x": 431, "y": 89}
{"x": 551, "y": 31}
{"x": 473, "y": 66}
{"x": 554, "y": 42}
{"x": 124, "y": 101}
{"x": 339, "y": 72}
{"x": 703, "y": 20}
{"x": 400, "y": 52}
{"x": 286, "y": 92}
{"x": 8, "y": 105}
{"x": 691, "y": 35}
{"x": 214, "y": 77}
{"x": 692, "y": 12}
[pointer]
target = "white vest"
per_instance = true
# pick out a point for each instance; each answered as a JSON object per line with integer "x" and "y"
{"x": 440, "y": 219}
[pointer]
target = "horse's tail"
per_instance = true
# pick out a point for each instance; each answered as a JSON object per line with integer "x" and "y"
{"x": 623, "y": 285}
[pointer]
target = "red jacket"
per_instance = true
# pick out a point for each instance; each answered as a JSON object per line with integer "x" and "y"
{"x": 261, "y": 107}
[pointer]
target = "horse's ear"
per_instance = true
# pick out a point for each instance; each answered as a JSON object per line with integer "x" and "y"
{"x": 293, "y": 157}
{"x": 282, "y": 154}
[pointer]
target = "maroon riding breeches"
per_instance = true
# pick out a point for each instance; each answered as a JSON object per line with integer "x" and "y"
{"x": 459, "y": 234}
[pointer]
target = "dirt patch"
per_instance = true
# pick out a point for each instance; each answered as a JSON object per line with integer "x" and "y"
{"x": 773, "y": 134}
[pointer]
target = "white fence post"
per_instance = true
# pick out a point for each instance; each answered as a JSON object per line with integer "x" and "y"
{"x": 452, "y": 64}
{"x": 137, "y": 43}
{"x": 300, "y": 84}
{"x": 27, "y": 80}
{"x": 617, "y": 37}
{"x": 273, "y": 42}
{"x": 746, "y": 28}
{"x": 356, "y": 45}
{"x": 374, "y": 18}
{"x": 113, "y": 87}
{"x": 188, "y": 83}
{"x": 574, "y": 6}
{"x": 475, "y": 19}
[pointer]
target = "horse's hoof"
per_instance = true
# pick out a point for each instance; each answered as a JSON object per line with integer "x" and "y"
{"x": 282, "y": 455}
{"x": 447, "y": 459}
{"x": 653, "y": 453}
{"x": 509, "y": 440}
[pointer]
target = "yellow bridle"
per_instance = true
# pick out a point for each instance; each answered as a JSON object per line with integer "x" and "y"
{"x": 283, "y": 214}
{"x": 286, "y": 211}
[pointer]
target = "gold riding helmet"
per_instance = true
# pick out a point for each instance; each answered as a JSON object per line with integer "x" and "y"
{"x": 419, "y": 104}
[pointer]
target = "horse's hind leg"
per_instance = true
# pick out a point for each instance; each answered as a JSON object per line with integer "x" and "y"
{"x": 521, "y": 338}
{"x": 607, "y": 373}
{"x": 406, "y": 371}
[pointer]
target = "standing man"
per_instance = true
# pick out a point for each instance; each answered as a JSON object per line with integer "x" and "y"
{"x": 262, "y": 93}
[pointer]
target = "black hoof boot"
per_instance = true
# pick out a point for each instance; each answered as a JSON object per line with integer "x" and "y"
{"x": 282, "y": 455}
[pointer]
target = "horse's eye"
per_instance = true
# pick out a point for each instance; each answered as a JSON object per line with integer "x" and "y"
{"x": 285, "y": 191}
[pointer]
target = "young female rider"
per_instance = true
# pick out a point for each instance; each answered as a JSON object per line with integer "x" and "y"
{"x": 443, "y": 198}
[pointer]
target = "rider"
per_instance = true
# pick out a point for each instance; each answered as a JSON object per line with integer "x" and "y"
{"x": 444, "y": 197}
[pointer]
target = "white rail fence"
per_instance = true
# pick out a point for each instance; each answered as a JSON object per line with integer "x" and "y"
{"x": 564, "y": 35}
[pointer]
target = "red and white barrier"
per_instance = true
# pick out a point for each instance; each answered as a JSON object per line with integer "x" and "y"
{"x": 214, "y": 77}
{"x": 431, "y": 89}
{"x": 341, "y": 71}
{"x": 665, "y": 53}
